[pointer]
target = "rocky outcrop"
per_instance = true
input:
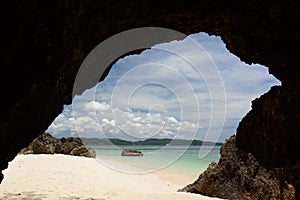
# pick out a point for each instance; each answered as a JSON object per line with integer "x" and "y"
{"x": 239, "y": 175}
{"x": 131, "y": 152}
{"x": 47, "y": 144}
{"x": 270, "y": 130}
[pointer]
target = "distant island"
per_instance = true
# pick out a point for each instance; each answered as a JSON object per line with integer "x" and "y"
{"x": 151, "y": 141}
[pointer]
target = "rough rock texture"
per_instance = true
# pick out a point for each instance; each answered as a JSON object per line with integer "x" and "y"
{"x": 68, "y": 144}
{"x": 43, "y": 44}
{"x": 47, "y": 144}
{"x": 270, "y": 130}
{"x": 238, "y": 175}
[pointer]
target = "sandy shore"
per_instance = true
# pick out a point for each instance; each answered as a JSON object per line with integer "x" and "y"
{"x": 71, "y": 177}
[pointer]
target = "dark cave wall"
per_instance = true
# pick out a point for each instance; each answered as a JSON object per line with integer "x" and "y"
{"x": 270, "y": 129}
{"x": 44, "y": 43}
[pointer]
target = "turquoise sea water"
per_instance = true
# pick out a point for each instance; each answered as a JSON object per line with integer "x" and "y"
{"x": 189, "y": 161}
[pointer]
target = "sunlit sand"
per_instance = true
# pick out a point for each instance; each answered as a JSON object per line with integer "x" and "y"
{"x": 71, "y": 177}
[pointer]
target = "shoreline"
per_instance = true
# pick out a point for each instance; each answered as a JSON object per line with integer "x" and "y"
{"x": 70, "y": 177}
{"x": 167, "y": 174}
{"x": 188, "y": 163}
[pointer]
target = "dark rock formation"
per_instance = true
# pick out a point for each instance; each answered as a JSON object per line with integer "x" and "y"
{"x": 238, "y": 175}
{"x": 131, "y": 152}
{"x": 83, "y": 151}
{"x": 43, "y": 44}
{"x": 44, "y": 144}
{"x": 68, "y": 144}
{"x": 47, "y": 144}
{"x": 270, "y": 130}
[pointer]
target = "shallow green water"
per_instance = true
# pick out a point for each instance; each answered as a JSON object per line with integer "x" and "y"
{"x": 180, "y": 159}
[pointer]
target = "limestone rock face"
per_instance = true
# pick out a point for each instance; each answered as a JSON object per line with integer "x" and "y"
{"x": 68, "y": 144}
{"x": 47, "y": 144}
{"x": 238, "y": 175}
{"x": 131, "y": 152}
{"x": 83, "y": 151}
{"x": 269, "y": 130}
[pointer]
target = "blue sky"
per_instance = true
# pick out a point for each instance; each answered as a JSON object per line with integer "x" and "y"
{"x": 190, "y": 89}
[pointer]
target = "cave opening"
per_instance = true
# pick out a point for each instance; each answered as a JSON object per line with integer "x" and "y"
{"x": 145, "y": 90}
{"x": 193, "y": 89}
{"x": 167, "y": 92}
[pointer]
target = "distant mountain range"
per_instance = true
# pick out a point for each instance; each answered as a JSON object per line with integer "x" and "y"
{"x": 151, "y": 141}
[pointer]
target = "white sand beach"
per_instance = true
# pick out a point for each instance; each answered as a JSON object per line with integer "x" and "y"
{"x": 70, "y": 177}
